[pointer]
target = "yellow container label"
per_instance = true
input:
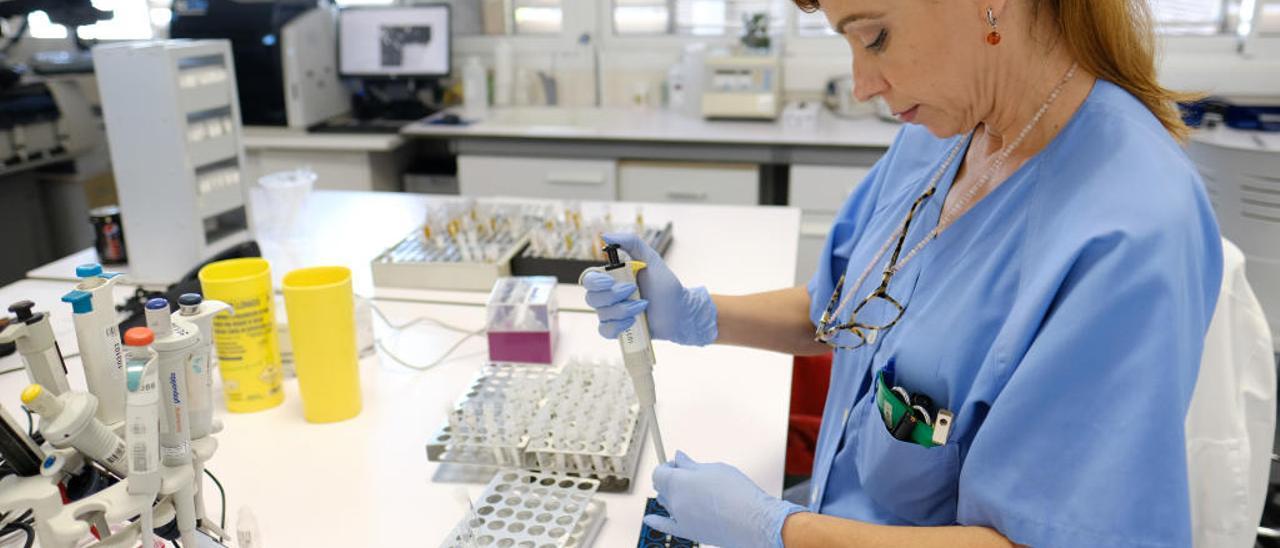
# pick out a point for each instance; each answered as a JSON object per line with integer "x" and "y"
{"x": 246, "y": 343}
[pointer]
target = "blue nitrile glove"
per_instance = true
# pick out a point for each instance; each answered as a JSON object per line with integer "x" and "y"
{"x": 676, "y": 313}
{"x": 716, "y": 504}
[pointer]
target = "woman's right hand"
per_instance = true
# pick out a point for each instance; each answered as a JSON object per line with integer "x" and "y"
{"x": 676, "y": 313}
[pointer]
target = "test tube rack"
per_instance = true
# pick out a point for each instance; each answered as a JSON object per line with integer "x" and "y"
{"x": 524, "y": 508}
{"x": 582, "y": 421}
{"x": 419, "y": 262}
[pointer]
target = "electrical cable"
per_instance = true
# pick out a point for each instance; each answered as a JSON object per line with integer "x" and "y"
{"x": 222, "y": 520}
{"x": 381, "y": 344}
{"x": 11, "y": 370}
{"x": 23, "y": 523}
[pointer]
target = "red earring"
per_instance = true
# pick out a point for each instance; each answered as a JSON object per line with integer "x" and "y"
{"x": 993, "y": 37}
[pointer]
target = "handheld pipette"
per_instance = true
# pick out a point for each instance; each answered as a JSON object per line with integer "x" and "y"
{"x": 193, "y": 308}
{"x": 637, "y": 347}
{"x": 99, "y": 335}
{"x": 68, "y": 421}
{"x": 142, "y": 421}
{"x": 34, "y": 339}
{"x": 175, "y": 344}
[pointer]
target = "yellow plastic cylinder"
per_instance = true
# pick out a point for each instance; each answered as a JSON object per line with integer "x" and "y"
{"x": 248, "y": 351}
{"x": 322, "y": 330}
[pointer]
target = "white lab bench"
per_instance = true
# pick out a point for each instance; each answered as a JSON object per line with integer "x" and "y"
{"x": 729, "y": 249}
{"x": 366, "y": 481}
{"x": 343, "y": 161}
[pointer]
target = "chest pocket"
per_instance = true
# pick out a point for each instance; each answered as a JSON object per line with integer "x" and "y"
{"x": 917, "y": 484}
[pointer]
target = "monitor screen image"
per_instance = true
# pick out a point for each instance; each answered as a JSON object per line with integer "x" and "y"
{"x": 394, "y": 42}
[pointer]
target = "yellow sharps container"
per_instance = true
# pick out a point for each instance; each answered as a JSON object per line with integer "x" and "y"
{"x": 248, "y": 352}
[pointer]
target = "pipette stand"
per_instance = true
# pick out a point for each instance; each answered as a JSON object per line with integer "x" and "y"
{"x": 66, "y": 526}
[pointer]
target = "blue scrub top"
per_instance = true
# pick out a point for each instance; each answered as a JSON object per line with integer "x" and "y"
{"x": 1061, "y": 319}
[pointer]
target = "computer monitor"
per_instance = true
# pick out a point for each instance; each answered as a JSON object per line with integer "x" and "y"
{"x": 394, "y": 42}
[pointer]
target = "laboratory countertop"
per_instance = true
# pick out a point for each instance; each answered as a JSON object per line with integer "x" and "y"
{"x": 273, "y": 137}
{"x": 367, "y": 482}
{"x": 729, "y": 249}
{"x": 1240, "y": 139}
{"x": 660, "y": 126}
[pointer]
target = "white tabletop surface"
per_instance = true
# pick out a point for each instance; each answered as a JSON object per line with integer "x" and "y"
{"x": 366, "y": 481}
{"x": 656, "y": 125}
{"x": 279, "y": 137}
{"x": 729, "y": 249}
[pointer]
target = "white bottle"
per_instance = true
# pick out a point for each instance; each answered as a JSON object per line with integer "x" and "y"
{"x": 475, "y": 89}
{"x": 675, "y": 88}
{"x": 504, "y": 74}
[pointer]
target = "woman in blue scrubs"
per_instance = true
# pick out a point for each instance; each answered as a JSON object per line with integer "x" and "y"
{"x": 1034, "y": 256}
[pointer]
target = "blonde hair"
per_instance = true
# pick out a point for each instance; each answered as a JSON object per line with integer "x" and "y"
{"x": 1113, "y": 40}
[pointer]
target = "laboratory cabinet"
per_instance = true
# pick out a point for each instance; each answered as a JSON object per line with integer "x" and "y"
{"x": 819, "y": 192}
{"x": 689, "y": 182}
{"x": 553, "y": 178}
{"x": 1243, "y": 184}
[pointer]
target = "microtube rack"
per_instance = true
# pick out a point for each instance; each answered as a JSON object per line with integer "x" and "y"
{"x": 528, "y": 509}
{"x": 489, "y": 425}
{"x": 421, "y": 262}
{"x": 582, "y": 421}
{"x": 586, "y": 425}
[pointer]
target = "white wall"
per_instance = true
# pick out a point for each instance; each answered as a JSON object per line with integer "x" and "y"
{"x": 1212, "y": 65}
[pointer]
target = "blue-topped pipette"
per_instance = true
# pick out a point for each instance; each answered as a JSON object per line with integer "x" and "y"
{"x": 98, "y": 332}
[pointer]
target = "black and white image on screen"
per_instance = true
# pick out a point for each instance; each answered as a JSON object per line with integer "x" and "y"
{"x": 399, "y": 42}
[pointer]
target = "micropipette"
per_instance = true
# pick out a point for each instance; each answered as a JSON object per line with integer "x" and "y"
{"x": 101, "y": 352}
{"x": 34, "y": 338}
{"x": 637, "y": 347}
{"x": 142, "y": 421}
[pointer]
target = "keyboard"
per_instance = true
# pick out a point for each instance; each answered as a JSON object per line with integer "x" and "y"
{"x": 356, "y": 125}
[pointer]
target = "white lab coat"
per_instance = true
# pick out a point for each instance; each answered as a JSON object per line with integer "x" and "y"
{"x": 1231, "y": 422}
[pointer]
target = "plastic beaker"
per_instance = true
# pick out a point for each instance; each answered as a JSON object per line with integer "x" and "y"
{"x": 286, "y": 195}
{"x": 322, "y": 332}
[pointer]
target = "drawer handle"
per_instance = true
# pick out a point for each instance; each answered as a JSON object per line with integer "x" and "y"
{"x": 575, "y": 179}
{"x": 691, "y": 196}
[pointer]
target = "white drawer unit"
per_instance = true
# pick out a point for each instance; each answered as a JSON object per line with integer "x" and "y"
{"x": 819, "y": 191}
{"x": 562, "y": 179}
{"x": 814, "y": 228}
{"x": 823, "y": 188}
{"x": 689, "y": 182}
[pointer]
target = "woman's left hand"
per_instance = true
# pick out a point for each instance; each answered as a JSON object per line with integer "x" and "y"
{"x": 715, "y": 503}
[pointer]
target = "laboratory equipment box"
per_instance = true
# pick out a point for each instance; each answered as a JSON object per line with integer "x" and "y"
{"x": 522, "y": 320}
{"x": 173, "y": 126}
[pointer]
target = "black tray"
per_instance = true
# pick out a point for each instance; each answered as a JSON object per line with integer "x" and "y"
{"x": 567, "y": 271}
